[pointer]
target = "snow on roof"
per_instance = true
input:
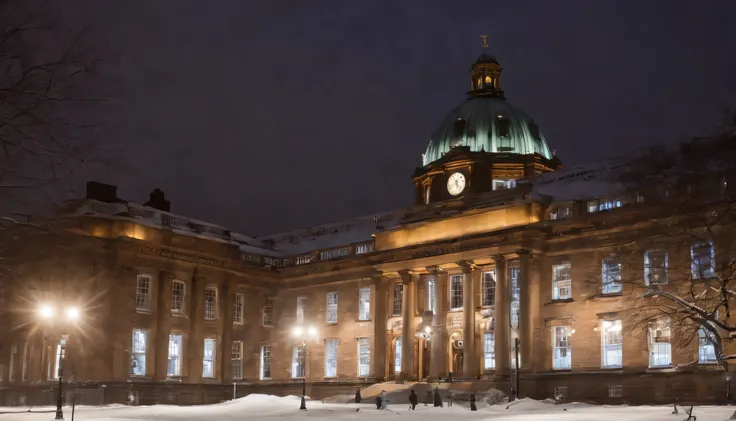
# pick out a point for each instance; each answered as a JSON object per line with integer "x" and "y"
{"x": 580, "y": 183}
{"x": 333, "y": 235}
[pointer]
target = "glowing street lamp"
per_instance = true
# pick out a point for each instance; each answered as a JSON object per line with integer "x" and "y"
{"x": 71, "y": 314}
{"x": 299, "y": 333}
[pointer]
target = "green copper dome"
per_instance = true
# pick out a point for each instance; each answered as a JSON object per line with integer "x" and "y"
{"x": 486, "y": 121}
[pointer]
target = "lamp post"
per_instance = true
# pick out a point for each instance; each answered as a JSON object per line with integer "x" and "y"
{"x": 48, "y": 314}
{"x": 301, "y": 333}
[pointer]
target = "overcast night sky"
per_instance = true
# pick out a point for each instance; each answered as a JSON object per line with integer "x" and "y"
{"x": 265, "y": 116}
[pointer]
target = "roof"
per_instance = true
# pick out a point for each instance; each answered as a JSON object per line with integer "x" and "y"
{"x": 480, "y": 123}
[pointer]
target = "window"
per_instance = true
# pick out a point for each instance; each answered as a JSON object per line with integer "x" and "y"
{"x": 456, "y": 292}
{"x": 210, "y": 303}
{"x": 562, "y": 357}
{"x": 534, "y": 131}
{"x": 502, "y": 126}
{"x": 300, "y": 304}
{"x": 592, "y": 206}
{"x": 331, "y": 307}
{"x": 431, "y": 296}
{"x": 616, "y": 391}
{"x": 208, "y": 360}
{"x": 331, "y": 358}
{"x": 660, "y": 348}
{"x": 175, "y": 351}
{"x": 560, "y": 392}
{"x": 334, "y": 254}
{"x": 605, "y": 205}
{"x": 237, "y": 360}
{"x": 504, "y": 184}
{"x": 57, "y": 363}
{"x": 706, "y": 349}
{"x": 561, "y": 212}
{"x": 364, "y": 357}
{"x": 398, "y": 296}
{"x": 11, "y": 365}
{"x": 143, "y": 293}
{"x": 611, "y": 275}
{"x": 178, "y": 297}
{"x": 24, "y": 366}
{"x": 364, "y": 248}
{"x": 397, "y": 356}
{"x": 703, "y": 260}
{"x": 488, "y": 289}
{"x": 297, "y": 362}
{"x": 561, "y": 282}
{"x": 265, "y": 362}
{"x": 364, "y": 303}
{"x": 514, "y": 316}
{"x": 267, "y": 313}
{"x": 611, "y": 344}
{"x": 489, "y": 351}
{"x": 238, "y": 306}
{"x": 300, "y": 260}
{"x": 655, "y": 267}
{"x": 138, "y": 352}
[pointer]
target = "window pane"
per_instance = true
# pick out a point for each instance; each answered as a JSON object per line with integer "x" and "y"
{"x": 175, "y": 355}
{"x": 208, "y": 361}
{"x": 561, "y": 282}
{"x": 297, "y": 362}
{"x": 331, "y": 307}
{"x": 489, "y": 351}
{"x": 210, "y": 303}
{"x": 612, "y": 344}
{"x": 331, "y": 358}
{"x": 143, "y": 293}
{"x": 364, "y": 310}
{"x": 138, "y": 353}
{"x": 456, "y": 292}
{"x": 265, "y": 362}
{"x": 655, "y": 267}
{"x": 660, "y": 348}
{"x": 488, "y": 289}
{"x": 237, "y": 360}
{"x": 398, "y": 296}
{"x": 267, "y": 312}
{"x": 364, "y": 357}
{"x": 431, "y": 295}
{"x": 238, "y": 307}
{"x": 397, "y": 359}
{"x": 178, "y": 294}
{"x": 611, "y": 275}
{"x": 562, "y": 356}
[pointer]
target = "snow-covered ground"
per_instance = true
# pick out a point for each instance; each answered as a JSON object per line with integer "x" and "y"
{"x": 262, "y": 407}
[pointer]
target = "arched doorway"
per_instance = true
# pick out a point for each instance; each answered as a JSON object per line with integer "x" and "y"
{"x": 456, "y": 353}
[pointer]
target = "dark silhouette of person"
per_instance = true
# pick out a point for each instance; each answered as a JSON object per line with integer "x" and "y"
{"x": 413, "y": 399}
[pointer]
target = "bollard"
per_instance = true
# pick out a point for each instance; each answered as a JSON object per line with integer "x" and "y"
{"x": 357, "y": 395}
{"x": 472, "y": 402}
{"x": 437, "y": 398}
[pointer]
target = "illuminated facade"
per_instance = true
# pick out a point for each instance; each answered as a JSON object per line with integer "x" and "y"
{"x": 501, "y": 244}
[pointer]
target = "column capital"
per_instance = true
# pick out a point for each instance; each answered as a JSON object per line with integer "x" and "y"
{"x": 433, "y": 270}
{"x": 498, "y": 259}
{"x": 407, "y": 276}
{"x": 468, "y": 266}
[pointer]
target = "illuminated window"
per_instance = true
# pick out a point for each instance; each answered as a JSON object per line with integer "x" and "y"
{"x": 561, "y": 282}
{"x": 489, "y": 351}
{"x": 456, "y": 292}
{"x": 267, "y": 313}
{"x": 364, "y": 357}
{"x": 431, "y": 295}
{"x": 331, "y": 358}
{"x": 364, "y": 303}
{"x": 611, "y": 275}
{"x": 331, "y": 307}
{"x": 398, "y": 296}
{"x": 488, "y": 289}
{"x": 175, "y": 355}
{"x": 143, "y": 293}
{"x": 237, "y": 360}
{"x": 561, "y": 212}
{"x": 300, "y": 304}
{"x": 208, "y": 359}
{"x": 706, "y": 349}
{"x": 562, "y": 356}
{"x": 660, "y": 348}
{"x": 397, "y": 356}
{"x": 655, "y": 267}
{"x": 298, "y": 357}
{"x": 611, "y": 344}
{"x": 703, "y": 260}
{"x": 178, "y": 297}
{"x": 210, "y": 303}
{"x": 238, "y": 307}
{"x": 138, "y": 352}
{"x": 265, "y": 362}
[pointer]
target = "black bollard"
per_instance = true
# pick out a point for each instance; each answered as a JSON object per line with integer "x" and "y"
{"x": 472, "y": 402}
{"x": 357, "y": 396}
{"x": 379, "y": 402}
{"x": 437, "y": 397}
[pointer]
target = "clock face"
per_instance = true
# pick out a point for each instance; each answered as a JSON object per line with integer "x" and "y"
{"x": 456, "y": 184}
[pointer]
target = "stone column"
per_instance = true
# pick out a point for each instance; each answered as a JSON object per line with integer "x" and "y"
{"x": 469, "y": 356}
{"x": 163, "y": 326}
{"x": 438, "y": 343}
{"x": 408, "y": 310}
{"x": 526, "y": 309}
{"x": 195, "y": 341}
{"x": 502, "y": 318}
{"x": 380, "y": 315}
{"x": 226, "y": 316}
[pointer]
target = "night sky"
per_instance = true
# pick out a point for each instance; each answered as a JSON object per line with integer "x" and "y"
{"x": 273, "y": 115}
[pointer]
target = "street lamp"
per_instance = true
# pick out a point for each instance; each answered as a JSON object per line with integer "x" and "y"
{"x": 71, "y": 314}
{"x": 300, "y": 333}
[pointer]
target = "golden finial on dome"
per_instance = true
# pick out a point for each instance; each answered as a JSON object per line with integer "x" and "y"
{"x": 485, "y": 41}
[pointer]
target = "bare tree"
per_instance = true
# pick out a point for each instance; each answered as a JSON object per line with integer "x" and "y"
{"x": 676, "y": 262}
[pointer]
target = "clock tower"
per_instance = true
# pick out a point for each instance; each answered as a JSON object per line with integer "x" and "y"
{"x": 483, "y": 144}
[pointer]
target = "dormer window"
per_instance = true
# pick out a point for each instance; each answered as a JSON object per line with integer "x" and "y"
{"x": 458, "y": 128}
{"x": 534, "y": 131}
{"x": 502, "y": 126}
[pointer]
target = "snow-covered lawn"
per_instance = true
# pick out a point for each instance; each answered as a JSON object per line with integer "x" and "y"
{"x": 262, "y": 407}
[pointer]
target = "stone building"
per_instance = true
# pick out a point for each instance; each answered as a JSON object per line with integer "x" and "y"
{"x": 505, "y": 261}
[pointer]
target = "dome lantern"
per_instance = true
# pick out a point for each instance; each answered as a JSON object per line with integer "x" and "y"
{"x": 485, "y": 75}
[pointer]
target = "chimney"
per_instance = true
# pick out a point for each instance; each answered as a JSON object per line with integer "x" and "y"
{"x": 157, "y": 200}
{"x": 102, "y": 192}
